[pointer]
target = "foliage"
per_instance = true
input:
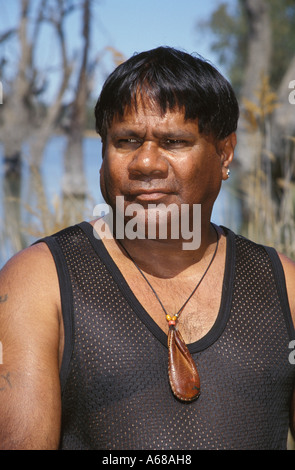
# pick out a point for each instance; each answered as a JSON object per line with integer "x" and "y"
{"x": 257, "y": 113}
{"x": 229, "y": 27}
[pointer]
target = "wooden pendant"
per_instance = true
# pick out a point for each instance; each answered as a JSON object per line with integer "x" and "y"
{"x": 183, "y": 375}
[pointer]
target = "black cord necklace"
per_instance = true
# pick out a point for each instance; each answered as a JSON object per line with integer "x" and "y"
{"x": 182, "y": 371}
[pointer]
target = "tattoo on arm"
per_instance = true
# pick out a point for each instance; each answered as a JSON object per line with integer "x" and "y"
{"x": 5, "y": 382}
{"x": 3, "y": 298}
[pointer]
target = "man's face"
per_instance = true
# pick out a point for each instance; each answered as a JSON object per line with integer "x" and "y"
{"x": 150, "y": 158}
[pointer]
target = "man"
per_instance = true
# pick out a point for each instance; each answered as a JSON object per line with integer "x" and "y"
{"x": 85, "y": 314}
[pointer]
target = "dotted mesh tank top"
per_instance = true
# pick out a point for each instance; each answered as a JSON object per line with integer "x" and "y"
{"x": 115, "y": 390}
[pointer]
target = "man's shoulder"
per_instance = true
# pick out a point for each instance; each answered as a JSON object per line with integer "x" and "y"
{"x": 29, "y": 259}
{"x": 30, "y": 272}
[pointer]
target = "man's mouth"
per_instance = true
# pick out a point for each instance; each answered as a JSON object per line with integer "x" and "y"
{"x": 152, "y": 194}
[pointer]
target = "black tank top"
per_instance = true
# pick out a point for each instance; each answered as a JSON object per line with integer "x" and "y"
{"x": 115, "y": 390}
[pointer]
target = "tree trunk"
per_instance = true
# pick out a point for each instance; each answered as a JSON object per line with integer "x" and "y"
{"x": 74, "y": 181}
{"x": 15, "y": 112}
{"x": 258, "y": 61}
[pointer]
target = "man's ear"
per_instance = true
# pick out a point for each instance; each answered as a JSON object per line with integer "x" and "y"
{"x": 226, "y": 149}
{"x": 103, "y": 147}
{"x": 102, "y": 179}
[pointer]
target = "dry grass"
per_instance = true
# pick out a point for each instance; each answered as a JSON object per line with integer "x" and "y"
{"x": 25, "y": 222}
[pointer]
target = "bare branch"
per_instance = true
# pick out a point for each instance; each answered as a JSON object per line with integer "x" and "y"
{"x": 7, "y": 34}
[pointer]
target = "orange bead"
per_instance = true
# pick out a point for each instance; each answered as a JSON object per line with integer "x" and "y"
{"x": 174, "y": 318}
{"x": 168, "y": 317}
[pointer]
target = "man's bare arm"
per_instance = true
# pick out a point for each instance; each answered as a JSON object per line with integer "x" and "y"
{"x": 30, "y": 404}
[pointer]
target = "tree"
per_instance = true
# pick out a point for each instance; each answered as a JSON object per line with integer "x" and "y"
{"x": 255, "y": 41}
{"x": 22, "y": 113}
{"x": 74, "y": 183}
{"x": 259, "y": 45}
{"x": 26, "y": 118}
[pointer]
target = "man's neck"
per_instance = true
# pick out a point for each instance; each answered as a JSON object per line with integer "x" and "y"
{"x": 167, "y": 258}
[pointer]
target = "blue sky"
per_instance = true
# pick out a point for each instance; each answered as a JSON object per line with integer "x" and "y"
{"x": 137, "y": 25}
{"x": 129, "y": 26}
{"x": 144, "y": 24}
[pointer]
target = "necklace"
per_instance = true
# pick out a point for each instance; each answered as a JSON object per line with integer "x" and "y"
{"x": 182, "y": 371}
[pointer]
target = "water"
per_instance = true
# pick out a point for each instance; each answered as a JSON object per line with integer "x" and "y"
{"x": 52, "y": 168}
{"x": 226, "y": 209}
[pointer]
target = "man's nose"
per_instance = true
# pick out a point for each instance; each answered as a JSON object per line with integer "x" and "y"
{"x": 149, "y": 161}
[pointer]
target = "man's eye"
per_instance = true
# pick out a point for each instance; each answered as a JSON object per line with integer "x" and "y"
{"x": 128, "y": 142}
{"x": 174, "y": 142}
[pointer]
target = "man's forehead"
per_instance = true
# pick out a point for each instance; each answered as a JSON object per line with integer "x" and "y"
{"x": 139, "y": 112}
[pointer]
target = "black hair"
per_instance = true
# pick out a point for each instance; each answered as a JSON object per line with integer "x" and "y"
{"x": 171, "y": 79}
